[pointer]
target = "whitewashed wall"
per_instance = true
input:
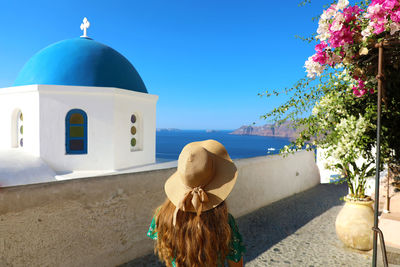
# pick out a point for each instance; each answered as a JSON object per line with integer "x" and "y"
{"x": 325, "y": 173}
{"x": 103, "y": 221}
{"x": 108, "y": 110}
{"x": 267, "y": 179}
{"x": 55, "y": 103}
{"x": 144, "y": 107}
{"x": 25, "y": 98}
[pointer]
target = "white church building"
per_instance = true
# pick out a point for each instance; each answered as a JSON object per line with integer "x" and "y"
{"x": 77, "y": 105}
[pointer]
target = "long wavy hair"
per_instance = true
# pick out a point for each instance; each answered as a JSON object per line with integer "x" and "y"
{"x": 195, "y": 241}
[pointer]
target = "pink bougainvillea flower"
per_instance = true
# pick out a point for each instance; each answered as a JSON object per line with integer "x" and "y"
{"x": 395, "y": 16}
{"x": 359, "y": 93}
{"x": 360, "y": 89}
{"x": 321, "y": 46}
{"x": 356, "y": 92}
{"x": 321, "y": 57}
{"x": 342, "y": 37}
{"x": 341, "y": 28}
{"x": 389, "y": 4}
{"x": 350, "y": 13}
{"x": 379, "y": 27}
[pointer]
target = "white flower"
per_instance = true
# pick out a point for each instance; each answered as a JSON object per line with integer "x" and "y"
{"x": 394, "y": 27}
{"x": 313, "y": 68}
{"x": 363, "y": 51}
{"x": 330, "y": 12}
{"x": 323, "y": 37}
{"x": 336, "y": 25}
{"x": 327, "y": 14}
{"x": 339, "y": 17}
{"x": 373, "y": 10}
{"x": 323, "y": 30}
{"x": 342, "y": 4}
{"x": 324, "y": 16}
{"x": 367, "y": 32}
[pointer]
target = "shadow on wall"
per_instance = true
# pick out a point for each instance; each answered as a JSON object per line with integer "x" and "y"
{"x": 269, "y": 225}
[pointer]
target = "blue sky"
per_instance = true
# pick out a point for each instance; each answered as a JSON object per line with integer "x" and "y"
{"x": 206, "y": 60}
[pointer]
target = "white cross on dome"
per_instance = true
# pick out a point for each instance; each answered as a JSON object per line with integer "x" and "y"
{"x": 84, "y": 26}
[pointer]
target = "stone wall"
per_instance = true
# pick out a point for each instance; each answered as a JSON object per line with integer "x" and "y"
{"x": 102, "y": 221}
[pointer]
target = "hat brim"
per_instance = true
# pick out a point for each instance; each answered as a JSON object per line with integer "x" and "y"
{"x": 217, "y": 190}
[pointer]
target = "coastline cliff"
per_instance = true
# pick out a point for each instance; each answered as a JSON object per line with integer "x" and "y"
{"x": 283, "y": 130}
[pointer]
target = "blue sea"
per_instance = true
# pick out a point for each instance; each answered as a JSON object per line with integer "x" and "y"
{"x": 170, "y": 143}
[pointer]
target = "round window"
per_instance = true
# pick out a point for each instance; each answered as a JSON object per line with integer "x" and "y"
{"x": 133, "y": 118}
{"x": 133, "y": 142}
{"x": 133, "y": 130}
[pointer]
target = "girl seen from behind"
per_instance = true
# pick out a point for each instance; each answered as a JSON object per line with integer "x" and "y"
{"x": 193, "y": 226}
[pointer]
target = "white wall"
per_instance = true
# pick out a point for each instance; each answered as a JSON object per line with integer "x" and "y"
{"x": 55, "y": 103}
{"x": 109, "y": 111}
{"x": 45, "y": 107}
{"x": 324, "y": 172}
{"x": 26, "y": 99}
{"x": 20, "y": 168}
{"x": 144, "y": 107}
{"x": 103, "y": 221}
{"x": 267, "y": 179}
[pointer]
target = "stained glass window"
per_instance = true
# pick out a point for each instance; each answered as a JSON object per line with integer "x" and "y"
{"x": 133, "y": 118}
{"x": 76, "y": 118}
{"x": 20, "y": 129}
{"x": 133, "y": 142}
{"x": 134, "y": 135}
{"x": 76, "y": 132}
{"x": 133, "y": 130}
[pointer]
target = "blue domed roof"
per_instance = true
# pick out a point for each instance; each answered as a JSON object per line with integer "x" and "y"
{"x": 80, "y": 62}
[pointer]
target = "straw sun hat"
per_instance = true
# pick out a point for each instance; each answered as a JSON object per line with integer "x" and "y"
{"x": 204, "y": 178}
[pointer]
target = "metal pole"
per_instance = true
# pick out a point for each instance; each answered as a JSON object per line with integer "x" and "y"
{"x": 378, "y": 153}
{"x": 383, "y": 248}
{"x": 387, "y": 206}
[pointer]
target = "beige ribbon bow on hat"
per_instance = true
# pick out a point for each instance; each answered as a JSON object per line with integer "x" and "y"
{"x": 195, "y": 196}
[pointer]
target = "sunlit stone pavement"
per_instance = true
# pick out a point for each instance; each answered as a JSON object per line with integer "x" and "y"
{"x": 296, "y": 231}
{"x": 302, "y": 233}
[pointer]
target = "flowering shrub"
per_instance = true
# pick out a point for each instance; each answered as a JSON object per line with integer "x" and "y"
{"x": 347, "y": 34}
{"x": 341, "y": 124}
{"x": 345, "y": 143}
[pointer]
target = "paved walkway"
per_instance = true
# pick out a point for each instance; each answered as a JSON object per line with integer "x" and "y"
{"x": 296, "y": 231}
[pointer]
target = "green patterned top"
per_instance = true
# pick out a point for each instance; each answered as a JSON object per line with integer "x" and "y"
{"x": 237, "y": 248}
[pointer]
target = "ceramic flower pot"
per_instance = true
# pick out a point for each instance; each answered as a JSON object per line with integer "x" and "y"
{"x": 354, "y": 224}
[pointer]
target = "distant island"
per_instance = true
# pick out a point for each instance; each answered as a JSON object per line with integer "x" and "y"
{"x": 168, "y": 130}
{"x": 283, "y": 130}
{"x": 179, "y": 130}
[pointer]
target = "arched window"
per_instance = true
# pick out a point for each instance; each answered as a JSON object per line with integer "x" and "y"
{"x": 76, "y": 132}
